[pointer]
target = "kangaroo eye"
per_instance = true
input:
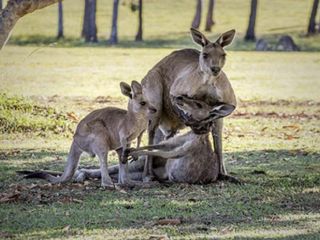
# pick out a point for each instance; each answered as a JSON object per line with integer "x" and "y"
{"x": 205, "y": 55}
{"x": 142, "y": 103}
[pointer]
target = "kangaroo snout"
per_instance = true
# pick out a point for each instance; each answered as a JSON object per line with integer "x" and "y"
{"x": 152, "y": 110}
{"x": 215, "y": 70}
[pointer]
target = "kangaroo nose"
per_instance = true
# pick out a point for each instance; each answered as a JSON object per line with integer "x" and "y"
{"x": 152, "y": 110}
{"x": 215, "y": 69}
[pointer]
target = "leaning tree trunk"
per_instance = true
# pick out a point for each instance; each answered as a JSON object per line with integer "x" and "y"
{"x": 139, "y": 33}
{"x": 312, "y": 20}
{"x": 60, "y": 21}
{"x": 114, "y": 29}
{"x": 250, "y": 35}
{"x": 197, "y": 17}
{"x": 209, "y": 21}
{"x": 15, "y": 10}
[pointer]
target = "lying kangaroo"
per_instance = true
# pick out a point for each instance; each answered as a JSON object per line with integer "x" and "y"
{"x": 186, "y": 158}
{"x": 104, "y": 130}
{"x": 192, "y": 73}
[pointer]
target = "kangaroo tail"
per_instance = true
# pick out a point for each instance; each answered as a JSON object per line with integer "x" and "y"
{"x": 55, "y": 177}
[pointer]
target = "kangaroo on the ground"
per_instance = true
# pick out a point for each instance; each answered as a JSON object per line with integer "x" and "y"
{"x": 103, "y": 130}
{"x": 195, "y": 74}
{"x": 186, "y": 158}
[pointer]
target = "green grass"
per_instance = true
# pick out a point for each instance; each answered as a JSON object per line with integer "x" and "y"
{"x": 274, "y": 18}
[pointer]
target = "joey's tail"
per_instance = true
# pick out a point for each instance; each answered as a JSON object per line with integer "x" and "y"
{"x": 69, "y": 170}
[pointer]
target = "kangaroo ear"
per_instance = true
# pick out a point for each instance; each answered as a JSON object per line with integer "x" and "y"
{"x": 198, "y": 37}
{"x": 136, "y": 88}
{"x": 226, "y": 38}
{"x": 125, "y": 89}
{"x": 222, "y": 110}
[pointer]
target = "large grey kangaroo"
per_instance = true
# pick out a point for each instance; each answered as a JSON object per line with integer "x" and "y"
{"x": 186, "y": 158}
{"x": 195, "y": 74}
{"x": 104, "y": 130}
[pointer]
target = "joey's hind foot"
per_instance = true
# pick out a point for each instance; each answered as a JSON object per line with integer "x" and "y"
{"x": 229, "y": 178}
{"x": 148, "y": 178}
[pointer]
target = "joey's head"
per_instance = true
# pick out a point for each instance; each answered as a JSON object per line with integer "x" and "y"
{"x": 213, "y": 56}
{"x": 137, "y": 103}
{"x": 199, "y": 115}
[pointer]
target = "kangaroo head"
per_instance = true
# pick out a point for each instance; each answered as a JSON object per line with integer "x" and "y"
{"x": 137, "y": 103}
{"x": 199, "y": 111}
{"x": 213, "y": 56}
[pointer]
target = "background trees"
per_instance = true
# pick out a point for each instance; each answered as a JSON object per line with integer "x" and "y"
{"x": 209, "y": 20}
{"x": 312, "y": 19}
{"x": 250, "y": 34}
{"x": 89, "y": 27}
{"x": 60, "y": 20}
{"x": 197, "y": 17}
{"x": 114, "y": 27}
{"x": 139, "y": 33}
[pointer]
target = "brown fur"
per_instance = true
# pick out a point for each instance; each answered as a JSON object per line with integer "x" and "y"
{"x": 192, "y": 73}
{"x": 104, "y": 130}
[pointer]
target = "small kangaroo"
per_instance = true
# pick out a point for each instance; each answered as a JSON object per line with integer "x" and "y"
{"x": 192, "y": 73}
{"x": 187, "y": 158}
{"x": 104, "y": 130}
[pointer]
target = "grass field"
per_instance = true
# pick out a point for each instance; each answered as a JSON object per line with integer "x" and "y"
{"x": 271, "y": 142}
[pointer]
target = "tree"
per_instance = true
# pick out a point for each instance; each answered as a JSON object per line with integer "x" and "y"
{"x": 0, "y": 4}
{"x": 197, "y": 17}
{"x": 250, "y": 35}
{"x": 312, "y": 20}
{"x": 15, "y": 10}
{"x": 89, "y": 27}
{"x": 139, "y": 33}
{"x": 114, "y": 28}
{"x": 209, "y": 21}
{"x": 60, "y": 20}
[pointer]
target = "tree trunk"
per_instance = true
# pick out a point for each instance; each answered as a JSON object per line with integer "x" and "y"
{"x": 250, "y": 35}
{"x": 197, "y": 17}
{"x": 85, "y": 23}
{"x": 209, "y": 21}
{"x": 15, "y": 10}
{"x": 89, "y": 27}
{"x": 0, "y": 4}
{"x": 60, "y": 20}
{"x": 139, "y": 33}
{"x": 312, "y": 20}
{"x": 114, "y": 29}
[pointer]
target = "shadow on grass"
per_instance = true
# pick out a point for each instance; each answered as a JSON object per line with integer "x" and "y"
{"x": 284, "y": 186}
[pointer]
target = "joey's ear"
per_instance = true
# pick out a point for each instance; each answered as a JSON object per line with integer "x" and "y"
{"x": 222, "y": 110}
{"x": 226, "y": 38}
{"x": 125, "y": 89}
{"x": 136, "y": 88}
{"x": 198, "y": 37}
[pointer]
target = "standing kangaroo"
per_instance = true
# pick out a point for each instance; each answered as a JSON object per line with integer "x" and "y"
{"x": 192, "y": 73}
{"x": 186, "y": 158}
{"x": 104, "y": 130}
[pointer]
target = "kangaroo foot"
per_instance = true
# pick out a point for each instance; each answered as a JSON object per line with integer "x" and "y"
{"x": 148, "y": 178}
{"x": 229, "y": 178}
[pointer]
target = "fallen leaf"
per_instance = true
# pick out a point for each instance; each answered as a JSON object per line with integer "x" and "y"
{"x": 72, "y": 116}
{"x": 176, "y": 221}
